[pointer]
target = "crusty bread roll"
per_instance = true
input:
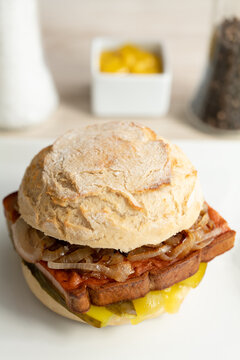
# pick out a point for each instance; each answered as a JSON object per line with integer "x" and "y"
{"x": 116, "y": 185}
{"x": 53, "y": 305}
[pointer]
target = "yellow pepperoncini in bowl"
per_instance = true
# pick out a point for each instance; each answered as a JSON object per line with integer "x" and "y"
{"x": 131, "y": 79}
{"x": 130, "y": 59}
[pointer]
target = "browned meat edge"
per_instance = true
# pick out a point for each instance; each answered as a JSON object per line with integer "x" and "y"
{"x": 80, "y": 300}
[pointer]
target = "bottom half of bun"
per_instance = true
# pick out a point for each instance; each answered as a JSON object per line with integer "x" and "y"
{"x": 53, "y": 305}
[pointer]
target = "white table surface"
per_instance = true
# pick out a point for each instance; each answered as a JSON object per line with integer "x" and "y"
{"x": 208, "y": 323}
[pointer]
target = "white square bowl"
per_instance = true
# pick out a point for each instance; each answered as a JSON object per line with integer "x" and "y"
{"x": 129, "y": 94}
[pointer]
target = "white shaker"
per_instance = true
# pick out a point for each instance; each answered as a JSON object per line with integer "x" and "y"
{"x": 27, "y": 92}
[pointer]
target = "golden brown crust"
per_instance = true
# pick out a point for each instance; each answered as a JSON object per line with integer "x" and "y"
{"x": 78, "y": 300}
{"x": 115, "y": 292}
{"x": 220, "y": 245}
{"x": 180, "y": 270}
{"x": 108, "y": 183}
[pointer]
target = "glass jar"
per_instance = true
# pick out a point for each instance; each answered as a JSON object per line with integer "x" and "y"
{"x": 217, "y": 101}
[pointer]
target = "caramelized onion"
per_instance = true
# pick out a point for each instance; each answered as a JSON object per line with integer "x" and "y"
{"x": 51, "y": 255}
{"x": 111, "y": 257}
{"x": 35, "y": 237}
{"x": 48, "y": 241}
{"x": 144, "y": 253}
{"x": 183, "y": 248}
{"x": 88, "y": 259}
{"x": 122, "y": 271}
{"x": 27, "y": 244}
{"x": 116, "y": 258}
{"x": 174, "y": 240}
{"x": 201, "y": 222}
{"x": 33, "y": 246}
{"x": 76, "y": 256}
{"x": 206, "y": 239}
{"x": 211, "y": 234}
{"x": 118, "y": 272}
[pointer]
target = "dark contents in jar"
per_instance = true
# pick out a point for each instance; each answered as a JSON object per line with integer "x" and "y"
{"x": 218, "y": 100}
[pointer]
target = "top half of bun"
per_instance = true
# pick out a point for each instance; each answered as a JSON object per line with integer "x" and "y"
{"x": 116, "y": 185}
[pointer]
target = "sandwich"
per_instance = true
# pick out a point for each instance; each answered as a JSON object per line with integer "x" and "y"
{"x": 111, "y": 225}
